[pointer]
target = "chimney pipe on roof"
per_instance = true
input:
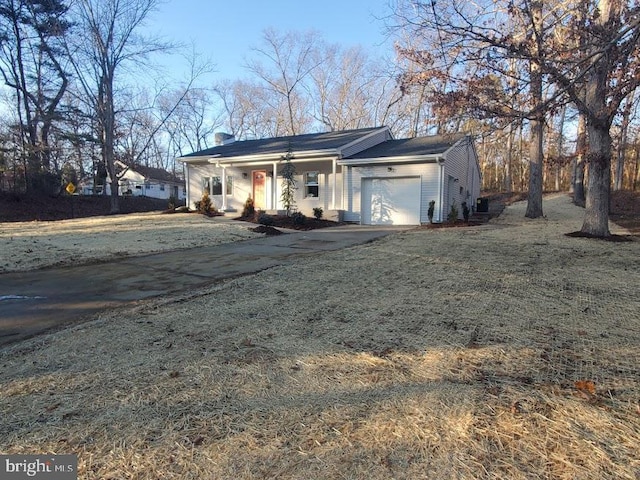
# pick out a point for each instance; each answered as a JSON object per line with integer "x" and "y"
{"x": 221, "y": 138}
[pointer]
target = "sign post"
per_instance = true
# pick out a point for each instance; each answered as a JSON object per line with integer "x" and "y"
{"x": 71, "y": 188}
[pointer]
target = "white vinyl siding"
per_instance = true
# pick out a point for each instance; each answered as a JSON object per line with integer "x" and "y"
{"x": 462, "y": 182}
{"x": 238, "y": 187}
{"x": 306, "y": 203}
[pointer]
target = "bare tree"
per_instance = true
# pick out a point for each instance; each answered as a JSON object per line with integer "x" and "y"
{"x": 253, "y": 111}
{"x": 481, "y": 55}
{"x": 342, "y": 89}
{"x": 33, "y": 66}
{"x": 106, "y": 40}
{"x": 596, "y": 77}
{"x": 289, "y": 61}
{"x": 586, "y": 49}
{"x": 193, "y": 123}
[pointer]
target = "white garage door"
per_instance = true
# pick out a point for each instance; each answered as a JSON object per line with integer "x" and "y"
{"x": 391, "y": 201}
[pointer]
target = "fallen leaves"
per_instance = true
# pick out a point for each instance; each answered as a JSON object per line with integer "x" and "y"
{"x": 586, "y": 389}
{"x": 586, "y": 386}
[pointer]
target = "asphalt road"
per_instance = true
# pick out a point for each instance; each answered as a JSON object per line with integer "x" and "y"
{"x": 38, "y": 301}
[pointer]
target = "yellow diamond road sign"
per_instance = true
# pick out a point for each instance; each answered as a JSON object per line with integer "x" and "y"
{"x": 71, "y": 188}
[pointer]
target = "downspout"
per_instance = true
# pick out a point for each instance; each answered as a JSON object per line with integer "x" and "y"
{"x": 224, "y": 189}
{"x": 440, "y": 186}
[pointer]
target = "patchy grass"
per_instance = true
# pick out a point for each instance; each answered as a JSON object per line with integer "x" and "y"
{"x": 504, "y": 351}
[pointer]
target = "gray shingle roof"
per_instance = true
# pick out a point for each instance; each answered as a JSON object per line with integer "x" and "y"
{"x": 406, "y": 147}
{"x": 297, "y": 143}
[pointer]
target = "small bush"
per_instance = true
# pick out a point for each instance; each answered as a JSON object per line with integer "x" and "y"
{"x": 265, "y": 219}
{"x": 298, "y": 218}
{"x": 317, "y": 212}
{"x": 249, "y": 208}
{"x": 205, "y": 206}
{"x": 465, "y": 211}
{"x": 289, "y": 188}
{"x": 453, "y": 214}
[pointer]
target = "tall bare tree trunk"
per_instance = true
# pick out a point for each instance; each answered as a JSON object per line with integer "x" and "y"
{"x": 534, "y": 199}
{"x": 508, "y": 182}
{"x": 560, "y": 146}
{"x": 578, "y": 171}
{"x": 622, "y": 142}
{"x": 635, "y": 176}
{"x": 596, "y": 219}
{"x": 109, "y": 146}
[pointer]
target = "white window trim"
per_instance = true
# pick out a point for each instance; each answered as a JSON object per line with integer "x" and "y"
{"x": 308, "y": 184}
{"x": 231, "y": 183}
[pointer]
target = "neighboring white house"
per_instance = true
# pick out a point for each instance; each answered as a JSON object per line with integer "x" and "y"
{"x": 362, "y": 176}
{"x": 151, "y": 182}
{"x": 139, "y": 181}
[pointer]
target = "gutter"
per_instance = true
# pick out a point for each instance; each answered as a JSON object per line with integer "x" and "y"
{"x": 354, "y": 162}
{"x": 245, "y": 160}
{"x": 441, "y": 188}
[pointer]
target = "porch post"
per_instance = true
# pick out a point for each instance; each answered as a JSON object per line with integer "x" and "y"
{"x": 274, "y": 187}
{"x": 224, "y": 189}
{"x": 335, "y": 184}
{"x": 349, "y": 188}
{"x": 186, "y": 186}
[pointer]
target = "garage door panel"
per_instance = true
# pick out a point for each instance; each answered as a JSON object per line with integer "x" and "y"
{"x": 391, "y": 201}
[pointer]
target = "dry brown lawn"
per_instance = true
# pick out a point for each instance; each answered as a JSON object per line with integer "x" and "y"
{"x": 502, "y": 351}
{"x": 40, "y": 244}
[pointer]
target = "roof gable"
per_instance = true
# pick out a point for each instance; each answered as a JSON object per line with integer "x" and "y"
{"x": 411, "y": 147}
{"x": 153, "y": 173}
{"x": 145, "y": 173}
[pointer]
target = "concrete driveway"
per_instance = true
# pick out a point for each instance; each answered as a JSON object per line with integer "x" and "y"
{"x": 41, "y": 300}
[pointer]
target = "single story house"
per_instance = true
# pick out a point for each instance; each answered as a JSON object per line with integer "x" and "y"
{"x": 362, "y": 176}
{"x": 138, "y": 180}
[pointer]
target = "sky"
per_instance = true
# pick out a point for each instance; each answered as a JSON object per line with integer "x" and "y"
{"x": 226, "y": 31}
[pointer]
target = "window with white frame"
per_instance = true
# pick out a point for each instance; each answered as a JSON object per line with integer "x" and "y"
{"x": 216, "y": 186}
{"x": 311, "y": 187}
{"x": 162, "y": 187}
{"x": 213, "y": 185}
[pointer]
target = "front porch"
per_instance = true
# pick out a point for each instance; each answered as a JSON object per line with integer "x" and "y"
{"x": 318, "y": 184}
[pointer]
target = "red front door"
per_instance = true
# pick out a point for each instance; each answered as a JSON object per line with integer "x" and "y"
{"x": 259, "y": 189}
